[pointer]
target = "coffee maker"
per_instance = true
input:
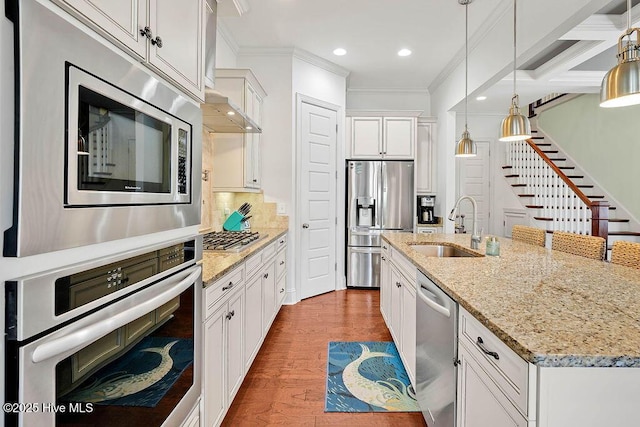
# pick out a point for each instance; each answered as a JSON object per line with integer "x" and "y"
{"x": 426, "y": 214}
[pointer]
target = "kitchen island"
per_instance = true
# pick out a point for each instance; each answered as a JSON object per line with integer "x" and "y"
{"x": 575, "y": 321}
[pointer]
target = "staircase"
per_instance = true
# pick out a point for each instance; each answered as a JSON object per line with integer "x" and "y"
{"x": 557, "y": 194}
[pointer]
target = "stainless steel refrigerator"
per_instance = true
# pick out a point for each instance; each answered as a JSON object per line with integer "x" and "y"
{"x": 379, "y": 199}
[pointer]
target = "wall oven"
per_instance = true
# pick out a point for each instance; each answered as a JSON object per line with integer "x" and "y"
{"x": 114, "y": 342}
{"x": 104, "y": 150}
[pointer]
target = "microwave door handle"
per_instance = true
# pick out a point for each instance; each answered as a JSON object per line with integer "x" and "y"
{"x": 81, "y": 338}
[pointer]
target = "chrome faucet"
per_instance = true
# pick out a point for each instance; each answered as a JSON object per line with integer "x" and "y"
{"x": 475, "y": 236}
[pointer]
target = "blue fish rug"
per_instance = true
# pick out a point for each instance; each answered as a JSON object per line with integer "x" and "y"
{"x": 139, "y": 378}
{"x": 367, "y": 377}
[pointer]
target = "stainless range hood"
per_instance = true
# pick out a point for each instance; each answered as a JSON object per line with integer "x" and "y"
{"x": 220, "y": 115}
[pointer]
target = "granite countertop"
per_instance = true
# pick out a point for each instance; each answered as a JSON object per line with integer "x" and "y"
{"x": 217, "y": 264}
{"x": 551, "y": 308}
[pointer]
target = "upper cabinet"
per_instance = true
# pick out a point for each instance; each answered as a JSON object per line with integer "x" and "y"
{"x": 425, "y": 154}
{"x": 236, "y": 156}
{"x": 166, "y": 35}
{"x": 383, "y": 137}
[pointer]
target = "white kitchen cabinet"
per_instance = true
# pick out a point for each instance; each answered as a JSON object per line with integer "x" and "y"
{"x": 425, "y": 155}
{"x": 166, "y": 35}
{"x": 383, "y": 137}
{"x": 237, "y": 164}
{"x": 398, "y": 304}
{"x": 223, "y": 338}
{"x": 421, "y": 229}
{"x": 268, "y": 294}
{"x": 223, "y": 367}
{"x": 281, "y": 271}
{"x": 253, "y": 319}
{"x": 480, "y": 402}
{"x": 385, "y": 283}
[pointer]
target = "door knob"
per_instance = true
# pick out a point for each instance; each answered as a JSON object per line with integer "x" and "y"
{"x": 305, "y": 225}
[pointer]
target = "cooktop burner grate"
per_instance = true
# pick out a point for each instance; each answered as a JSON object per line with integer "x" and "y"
{"x": 229, "y": 240}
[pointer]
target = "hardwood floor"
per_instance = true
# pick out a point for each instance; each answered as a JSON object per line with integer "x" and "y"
{"x": 286, "y": 383}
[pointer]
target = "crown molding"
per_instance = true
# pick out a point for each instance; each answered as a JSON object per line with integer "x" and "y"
{"x": 388, "y": 90}
{"x": 298, "y": 53}
{"x": 224, "y": 32}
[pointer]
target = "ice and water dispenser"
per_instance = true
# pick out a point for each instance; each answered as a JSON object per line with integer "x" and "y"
{"x": 365, "y": 211}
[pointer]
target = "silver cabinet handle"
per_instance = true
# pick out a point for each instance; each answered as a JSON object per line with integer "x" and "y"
{"x": 157, "y": 41}
{"x": 266, "y": 275}
{"x": 230, "y": 314}
{"x": 305, "y": 225}
{"x": 229, "y": 286}
{"x": 282, "y": 290}
{"x": 486, "y": 351}
{"x": 281, "y": 262}
{"x": 398, "y": 284}
{"x": 146, "y": 32}
{"x": 383, "y": 258}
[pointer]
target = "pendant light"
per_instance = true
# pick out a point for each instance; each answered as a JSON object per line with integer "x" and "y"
{"x": 621, "y": 85}
{"x": 515, "y": 127}
{"x": 466, "y": 147}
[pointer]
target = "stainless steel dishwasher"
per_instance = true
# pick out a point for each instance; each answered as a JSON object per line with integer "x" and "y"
{"x": 436, "y": 353}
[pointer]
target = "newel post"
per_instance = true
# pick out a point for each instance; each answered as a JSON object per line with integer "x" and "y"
{"x": 600, "y": 219}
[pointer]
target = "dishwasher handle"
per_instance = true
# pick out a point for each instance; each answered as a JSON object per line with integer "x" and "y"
{"x": 430, "y": 298}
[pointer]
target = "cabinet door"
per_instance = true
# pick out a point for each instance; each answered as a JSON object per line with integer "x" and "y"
{"x": 120, "y": 19}
{"x": 235, "y": 344}
{"x": 228, "y": 161}
{"x": 214, "y": 401}
{"x": 424, "y": 158}
{"x": 269, "y": 295}
{"x": 409, "y": 329}
{"x": 281, "y": 287}
{"x": 366, "y": 137}
{"x": 399, "y": 137}
{"x": 396, "y": 307}
{"x": 385, "y": 286}
{"x": 253, "y": 319}
{"x": 480, "y": 402}
{"x": 180, "y": 26}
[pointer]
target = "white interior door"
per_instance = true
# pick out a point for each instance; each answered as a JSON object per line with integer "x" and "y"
{"x": 317, "y": 199}
{"x": 474, "y": 179}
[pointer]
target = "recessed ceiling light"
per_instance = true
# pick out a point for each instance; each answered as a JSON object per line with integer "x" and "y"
{"x": 481, "y": 98}
{"x": 340, "y": 51}
{"x": 404, "y": 52}
{"x": 248, "y": 128}
{"x": 231, "y": 113}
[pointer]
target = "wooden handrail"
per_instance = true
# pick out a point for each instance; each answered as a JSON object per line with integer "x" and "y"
{"x": 599, "y": 209}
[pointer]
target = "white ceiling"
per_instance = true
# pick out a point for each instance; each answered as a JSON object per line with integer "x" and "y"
{"x": 372, "y": 31}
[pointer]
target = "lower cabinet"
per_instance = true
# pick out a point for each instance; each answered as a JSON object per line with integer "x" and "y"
{"x": 398, "y": 304}
{"x": 238, "y": 315}
{"x": 223, "y": 363}
{"x": 482, "y": 403}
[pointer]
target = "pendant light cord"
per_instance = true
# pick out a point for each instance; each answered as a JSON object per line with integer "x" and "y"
{"x": 514, "y": 47}
{"x": 628, "y": 15}
{"x": 466, "y": 62}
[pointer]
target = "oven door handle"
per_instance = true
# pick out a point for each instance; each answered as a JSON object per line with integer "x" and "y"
{"x": 85, "y": 336}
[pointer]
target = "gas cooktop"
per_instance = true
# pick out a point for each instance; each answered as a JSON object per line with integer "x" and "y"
{"x": 230, "y": 241}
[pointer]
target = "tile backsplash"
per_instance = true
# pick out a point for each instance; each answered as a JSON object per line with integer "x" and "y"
{"x": 263, "y": 214}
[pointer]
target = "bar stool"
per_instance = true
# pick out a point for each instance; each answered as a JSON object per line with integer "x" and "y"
{"x": 531, "y": 235}
{"x": 626, "y": 253}
{"x": 579, "y": 244}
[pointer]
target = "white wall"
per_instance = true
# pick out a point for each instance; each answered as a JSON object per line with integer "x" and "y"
{"x": 389, "y": 100}
{"x": 486, "y": 128}
{"x": 602, "y": 141}
{"x": 226, "y": 49}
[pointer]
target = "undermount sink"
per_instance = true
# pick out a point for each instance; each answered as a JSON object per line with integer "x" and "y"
{"x": 442, "y": 251}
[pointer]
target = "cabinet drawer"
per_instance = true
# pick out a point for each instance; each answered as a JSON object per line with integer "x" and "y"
{"x": 404, "y": 265}
{"x": 222, "y": 287}
{"x": 281, "y": 263}
{"x": 269, "y": 251}
{"x": 252, "y": 265}
{"x": 282, "y": 243}
{"x": 509, "y": 371}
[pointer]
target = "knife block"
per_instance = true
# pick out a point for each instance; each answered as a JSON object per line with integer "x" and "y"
{"x": 234, "y": 222}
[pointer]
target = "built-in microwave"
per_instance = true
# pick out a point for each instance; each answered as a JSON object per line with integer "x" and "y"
{"x": 121, "y": 149}
{"x": 104, "y": 149}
